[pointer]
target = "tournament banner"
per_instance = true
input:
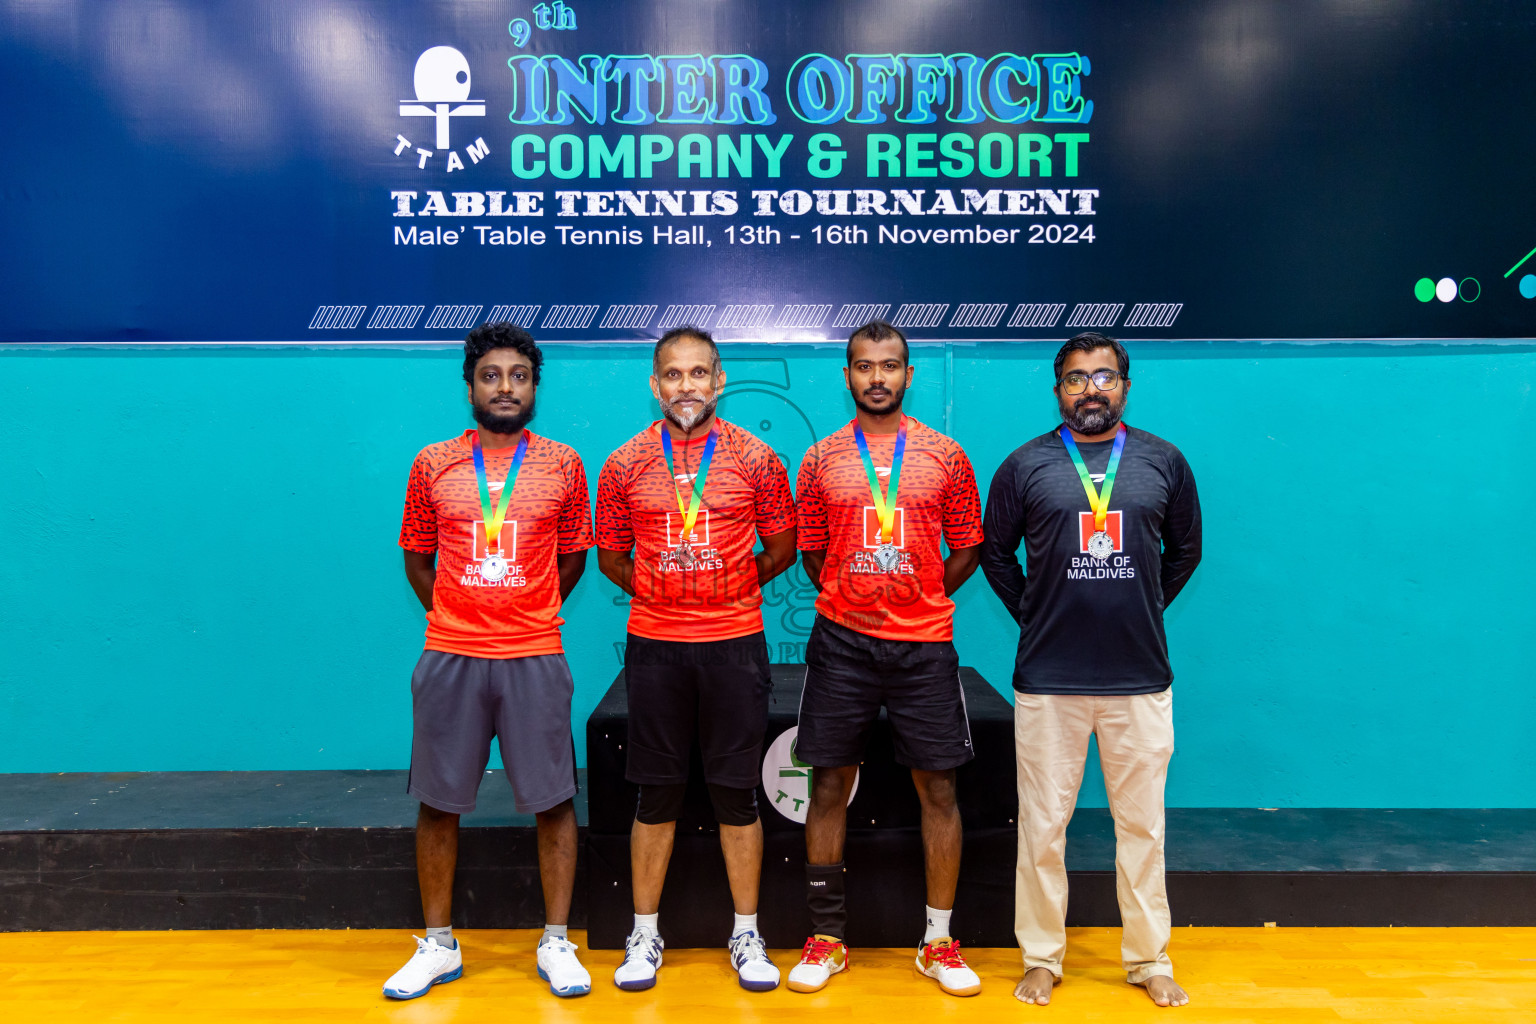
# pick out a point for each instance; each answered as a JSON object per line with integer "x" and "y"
{"x": 374, "y": 172}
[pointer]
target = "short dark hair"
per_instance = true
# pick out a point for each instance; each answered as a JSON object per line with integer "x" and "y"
{"x": 878, "y": 330}
{"x": 500, "y": 335}
{"x": 682, "y": 333}
{"x": 1087, "y": 342}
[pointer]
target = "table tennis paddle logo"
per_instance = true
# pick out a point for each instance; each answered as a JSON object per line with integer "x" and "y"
{"x": 442, "y": 84}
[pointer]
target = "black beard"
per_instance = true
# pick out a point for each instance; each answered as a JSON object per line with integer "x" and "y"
{"x": 1087, "y": 419}
{"x": 498, "y": 423}
{"x": 895, "y": 405}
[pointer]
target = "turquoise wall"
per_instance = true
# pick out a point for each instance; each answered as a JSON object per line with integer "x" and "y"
{"x": 200, "y": 569}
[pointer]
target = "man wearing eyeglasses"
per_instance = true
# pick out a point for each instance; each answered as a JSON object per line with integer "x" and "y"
{"x": 1110, "y": 521}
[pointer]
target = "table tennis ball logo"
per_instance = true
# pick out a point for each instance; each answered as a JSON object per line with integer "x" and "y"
{"x": 787, "y": 779}
{"x": 442, "y": 83}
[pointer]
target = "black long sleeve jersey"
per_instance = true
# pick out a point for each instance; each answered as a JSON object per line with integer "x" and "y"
{"x": 1088, "y": 626}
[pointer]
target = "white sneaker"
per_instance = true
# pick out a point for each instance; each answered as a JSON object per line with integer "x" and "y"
{"x": 558, "y": 966}
{"x": 642, "y": 958}
{"x": 941, "y": 961}
{"x": 753, "y": 968}
{"x": 430, "y": 965}
{"x": 822, "y": 957}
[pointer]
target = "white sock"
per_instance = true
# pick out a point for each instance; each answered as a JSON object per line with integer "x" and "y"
{"x": 744, "y": 923}
{"x": 444, "y": 936}
{"x": 647, "y": 921}
{"x": 938, "y": 924}
{"x": 553, "y": 931}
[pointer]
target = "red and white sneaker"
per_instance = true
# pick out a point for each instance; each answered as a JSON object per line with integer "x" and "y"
{"x": 941, "y": 961}
{"x": 822, "y": 957}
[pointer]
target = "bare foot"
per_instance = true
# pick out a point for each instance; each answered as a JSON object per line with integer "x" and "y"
{"x": 1036, "y": 986}
{"x": 1164, "y": 992}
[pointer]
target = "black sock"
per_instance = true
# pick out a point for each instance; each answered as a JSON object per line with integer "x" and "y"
{"x": 824, "y": 896}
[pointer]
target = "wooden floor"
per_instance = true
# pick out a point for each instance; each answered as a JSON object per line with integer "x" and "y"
{"x": 1233, "y": 974}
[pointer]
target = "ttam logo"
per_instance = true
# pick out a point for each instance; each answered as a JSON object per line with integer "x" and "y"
{"x": 442, "y": 92}
{"x": 787, "y": 779}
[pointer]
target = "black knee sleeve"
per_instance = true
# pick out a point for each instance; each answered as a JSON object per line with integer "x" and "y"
{"x": 733, "y": 806}
{"x": 660, "y": 804}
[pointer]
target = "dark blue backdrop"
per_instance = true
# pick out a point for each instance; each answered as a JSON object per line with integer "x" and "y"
{"x": 224, "y": 172}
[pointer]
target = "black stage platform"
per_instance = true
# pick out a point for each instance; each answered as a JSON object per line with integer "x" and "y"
{"x": 335, "y": 850}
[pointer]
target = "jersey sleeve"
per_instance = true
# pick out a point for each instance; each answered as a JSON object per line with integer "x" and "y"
{"x": 418, "y": 526}
{"x": 615, "y": 530}
{"x": 575, "y": 529}
{"x": 1181, "y": 529}
{"x": 962, "y": 503}
{"x": 810, "y": 506}
{"x": 775, "y": 506}
{"x": 1004, "y": 529}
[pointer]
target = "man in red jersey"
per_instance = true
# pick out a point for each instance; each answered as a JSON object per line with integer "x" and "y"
{"x": 679, "y": 509}
{"x": 874, "y": 500}
{"x": 495, "y": 533}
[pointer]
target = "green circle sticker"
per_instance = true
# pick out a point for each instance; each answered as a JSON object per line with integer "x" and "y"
{"x": 1424, "y": 289}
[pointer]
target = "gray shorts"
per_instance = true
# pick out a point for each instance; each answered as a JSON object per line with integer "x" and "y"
{"x": 458, "y": 703}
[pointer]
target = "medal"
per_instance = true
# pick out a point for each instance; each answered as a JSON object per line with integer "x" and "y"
{"x": 887, "y": 554}
{"x": 493, "y": 566}
{"x": 683, "y": 550}
{"x": 1101, "y": 545}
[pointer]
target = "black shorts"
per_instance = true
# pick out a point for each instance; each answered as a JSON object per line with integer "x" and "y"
{"x": 849, "y": 675}
{"x": 715, "y": 691}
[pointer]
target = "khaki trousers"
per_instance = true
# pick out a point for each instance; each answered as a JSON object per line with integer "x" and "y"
{"x": 1051, "y": 742}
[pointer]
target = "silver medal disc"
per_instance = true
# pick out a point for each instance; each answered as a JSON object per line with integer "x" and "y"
{"x": 1100, "y": 546}
{"x": 887, "y": 556}
{"x": 493, "y": 568}
{"x": 684, "y": 552}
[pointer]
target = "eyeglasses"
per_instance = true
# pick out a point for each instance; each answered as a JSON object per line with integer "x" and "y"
{"x": 1104, "y": 380}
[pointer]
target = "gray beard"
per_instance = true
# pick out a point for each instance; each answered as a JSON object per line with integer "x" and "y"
{"x": 1091, "y": 419}
{"x": 688, "y": 422}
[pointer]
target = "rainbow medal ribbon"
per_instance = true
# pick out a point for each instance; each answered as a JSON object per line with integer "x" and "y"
{"x": 493, "y": 567}
{"x": 887, "y": 554}
{"x": 690, "y": 512}
{"x": 1100, "y": 545}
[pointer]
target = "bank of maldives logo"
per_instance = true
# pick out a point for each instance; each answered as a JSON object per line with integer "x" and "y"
{"x": 1085, "y": 530}
{"x": 506, "y": 541}
{"x": 700, "y": 534}
{"x": 787, "y": 779}
{"x": 442, "y": 83}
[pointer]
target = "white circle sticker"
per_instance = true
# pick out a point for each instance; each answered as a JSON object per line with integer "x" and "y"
{"x": 787, "y": 779}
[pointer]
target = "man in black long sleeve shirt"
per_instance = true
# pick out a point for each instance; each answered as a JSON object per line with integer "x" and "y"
{"x": 1110, "y": 521}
